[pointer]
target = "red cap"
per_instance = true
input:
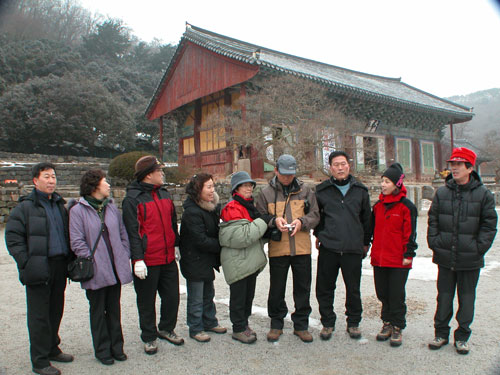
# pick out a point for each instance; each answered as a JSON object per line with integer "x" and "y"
{"x": 463, "y": 154}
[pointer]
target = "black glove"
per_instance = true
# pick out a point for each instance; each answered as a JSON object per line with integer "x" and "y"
{"x": 266, "y": 217}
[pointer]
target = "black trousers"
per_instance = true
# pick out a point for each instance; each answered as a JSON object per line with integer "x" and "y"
{"x": 105, "y": 321}
{"x": 390, "y": 288}
{"x": 465, "y": 282}
{"x": 45, "y": 305}
{"x": 276, "y": 305}
{"x": 241, "y": 295}
{"x": 329, "y": 263}
{"x": 163, "y": 280}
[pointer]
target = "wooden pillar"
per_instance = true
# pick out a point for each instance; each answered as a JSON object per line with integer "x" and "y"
{"x": 197, "y": 126}
{"x": 390, "y": 150}
{"x": 228, "y": 157}
{"x": 439, "y": 155}
{"x": 160, "y": 146}
{"x": 451, "y": 136}
{"x": 417, "y": 159}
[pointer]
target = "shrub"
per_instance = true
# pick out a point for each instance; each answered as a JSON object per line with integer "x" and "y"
{"x": 178, "y": 175}
{"x": 123, "y": 166}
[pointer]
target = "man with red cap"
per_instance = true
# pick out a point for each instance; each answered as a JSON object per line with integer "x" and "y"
{"x": 462, "y": 226}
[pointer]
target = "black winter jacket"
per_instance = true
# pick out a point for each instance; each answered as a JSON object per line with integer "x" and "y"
{"x": 462, "y": 224}
{"x": 344, "y": 225}
{"x": 27, "y": 237}
{"x": 199, "y": 244}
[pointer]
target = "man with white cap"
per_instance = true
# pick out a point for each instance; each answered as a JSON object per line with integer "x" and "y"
{"x": 295, "y": 211}
{"x": 462, "y": 226}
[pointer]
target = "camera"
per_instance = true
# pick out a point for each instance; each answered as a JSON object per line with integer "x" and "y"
{"x": 275, "y": 235}
{"x": 290, "y": 227}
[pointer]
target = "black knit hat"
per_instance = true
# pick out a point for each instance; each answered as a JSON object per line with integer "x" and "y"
{"x": 146, "y": 165}
{"x": 395, "y": 174}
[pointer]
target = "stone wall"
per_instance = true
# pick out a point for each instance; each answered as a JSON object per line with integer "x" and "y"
{"x": 9, "y": 195}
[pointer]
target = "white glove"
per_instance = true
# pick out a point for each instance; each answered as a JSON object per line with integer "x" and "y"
{"x": 177, "y": 254}
{"x": 140, "y": 269}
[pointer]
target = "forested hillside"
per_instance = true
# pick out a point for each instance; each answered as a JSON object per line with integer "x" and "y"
{"x": 75, "y": 83}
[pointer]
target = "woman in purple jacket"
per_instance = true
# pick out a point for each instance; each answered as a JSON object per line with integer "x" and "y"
{"x": 95, "y": 212}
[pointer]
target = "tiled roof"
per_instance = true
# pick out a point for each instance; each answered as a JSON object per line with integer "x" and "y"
{"x": 344, "y": 81}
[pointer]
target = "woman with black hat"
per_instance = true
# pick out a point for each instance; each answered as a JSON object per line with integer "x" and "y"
{"x": 242, "y": 254}
{"x": 394, "y": 224}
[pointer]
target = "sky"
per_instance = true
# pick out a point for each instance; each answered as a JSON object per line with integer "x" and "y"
{"x": 444, "y": 47}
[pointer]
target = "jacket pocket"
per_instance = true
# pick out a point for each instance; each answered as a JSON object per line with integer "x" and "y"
{"x": 36, "y": 271}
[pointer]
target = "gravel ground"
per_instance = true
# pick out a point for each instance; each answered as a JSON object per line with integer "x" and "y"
{"x": 340, "y": 355}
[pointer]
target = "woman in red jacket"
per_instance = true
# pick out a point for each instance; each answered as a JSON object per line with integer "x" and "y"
{"x": 394, "y": 224}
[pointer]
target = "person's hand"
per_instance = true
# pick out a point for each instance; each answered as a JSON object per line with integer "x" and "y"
{"x": 297, "y": 224}
{"x": 317, "y": 244}
{"x": 365, "y": 251}
{"x": 140, "y": 269}
{"x": 177, "y": 254}
{"x": 280, "y": 224}
{"x": 407, "y": 261}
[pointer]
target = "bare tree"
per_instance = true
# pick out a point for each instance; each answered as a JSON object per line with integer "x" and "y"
{"x": 287, "y": 114}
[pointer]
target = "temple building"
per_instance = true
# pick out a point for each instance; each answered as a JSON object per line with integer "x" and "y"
{"x": 210, "y": 71}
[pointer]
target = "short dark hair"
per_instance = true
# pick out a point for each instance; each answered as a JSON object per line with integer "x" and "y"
{"x": 334, "y": 154}
{"x": 40, "y": 167}
{"x": 90, "y": 181}
{"x": 195, "y": 185}
{"x": 468, "y": 165}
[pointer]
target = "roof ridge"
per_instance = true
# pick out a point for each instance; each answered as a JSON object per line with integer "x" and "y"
{"x": 261, "y": 48}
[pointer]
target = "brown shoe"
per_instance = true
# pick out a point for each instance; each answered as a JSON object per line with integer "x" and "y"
{"x": 200, "y": 337}
{"x": 274, "y": 334}
{"x": 354, "y": 332}
{"x": 305, "y": 336}
{"x": 217, "y": 329}
{"x": 396, "y": 337}
{"x": 245, "y": 337}
{"x": 385, "y": 333}
{"x": 250, "y": 331}
{"x": 171, "y": 337}
{"x": 326, "y": 333}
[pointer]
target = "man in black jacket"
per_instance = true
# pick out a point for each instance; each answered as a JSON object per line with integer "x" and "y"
{"x": 343, "y": 237}
{"x": 37, "y": 237}
{"x": 462, "y": 226}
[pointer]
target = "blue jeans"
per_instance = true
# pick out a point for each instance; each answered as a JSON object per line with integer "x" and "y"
{"x": 200, "y": 306}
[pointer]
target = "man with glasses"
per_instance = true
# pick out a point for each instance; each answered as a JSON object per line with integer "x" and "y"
{"x": 151, "y": 222}
{"x": 343, "y": 237}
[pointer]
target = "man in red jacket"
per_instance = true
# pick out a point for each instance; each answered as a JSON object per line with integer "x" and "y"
{"x": 151, "y": 222}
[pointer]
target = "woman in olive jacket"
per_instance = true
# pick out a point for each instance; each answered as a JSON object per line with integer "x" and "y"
{"x": 200, "y": 255}
{"x": 242, "y": 255}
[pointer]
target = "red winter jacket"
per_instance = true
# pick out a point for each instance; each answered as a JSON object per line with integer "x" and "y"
{"x": 151, "y": 223}
{"x": 394, "y": 224}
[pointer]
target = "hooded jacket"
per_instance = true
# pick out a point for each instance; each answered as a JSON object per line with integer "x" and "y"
{"x": 151, "y": 222}
{"x": 394, "y": 225}
{"x": 27, "y": 237}
{"x": 272, "y": 200}
{"x": 199, "y": 239}
{"x": 344, "y": 225}
{"x": 462, "y": 224}
{"x": 84, "y": 227}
